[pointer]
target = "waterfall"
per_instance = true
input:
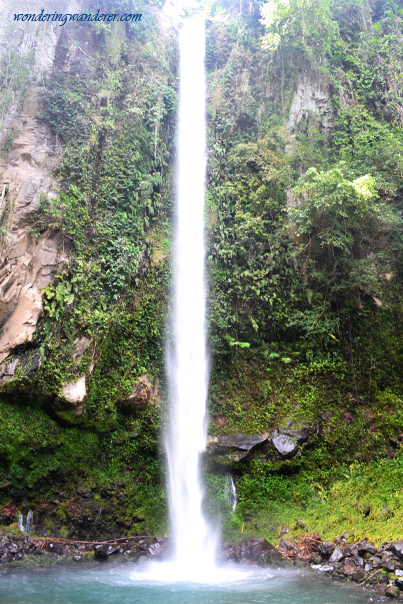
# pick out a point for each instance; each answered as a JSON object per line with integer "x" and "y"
{"x": 188, "y": 366}
{"x": 21, "y": 522}
{"x": 29, "y": 522}
{"x": 230, "y": 492}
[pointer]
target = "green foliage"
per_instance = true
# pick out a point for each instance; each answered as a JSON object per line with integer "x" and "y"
{"x": 303, "y": 25}
{"x": 15, "y": 73}
{"x": 66, "y": 107}
{"x": 301, "y": 504}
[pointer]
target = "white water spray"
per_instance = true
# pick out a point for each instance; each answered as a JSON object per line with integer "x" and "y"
{"x": 27, "y": 528}
{"x": 230, "y": 492}
{"x": 188, "y": 366}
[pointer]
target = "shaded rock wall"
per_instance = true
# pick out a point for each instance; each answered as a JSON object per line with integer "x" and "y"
{"x": 28, "y": 260}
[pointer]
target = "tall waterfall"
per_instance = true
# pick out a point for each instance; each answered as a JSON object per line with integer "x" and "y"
{"x": 188, "y": 366}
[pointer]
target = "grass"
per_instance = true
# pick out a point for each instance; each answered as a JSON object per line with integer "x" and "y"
{"x": 303, "y": 506}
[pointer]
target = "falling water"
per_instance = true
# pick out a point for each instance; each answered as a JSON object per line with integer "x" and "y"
{"x": 188, "y": 365}
{"x": 230, "y": 492}
{"x": 21, "y": 522}
{"x": 27, "y": 528}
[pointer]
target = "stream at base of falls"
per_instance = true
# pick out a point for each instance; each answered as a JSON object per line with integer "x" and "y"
{"x": 113, "y": 583}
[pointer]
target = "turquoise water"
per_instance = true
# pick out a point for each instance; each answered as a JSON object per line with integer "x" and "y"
{"x": 139, "y": 584}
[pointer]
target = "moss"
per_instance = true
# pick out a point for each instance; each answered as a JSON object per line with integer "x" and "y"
{"x": 302, "y": 505}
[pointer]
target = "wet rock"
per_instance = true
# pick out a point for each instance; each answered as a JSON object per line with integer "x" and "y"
{"x": 392, "y": 591}
{"x": 323, "y": 567}
{"x": 154, "y": 550}
{"x": 357, "y": 560}
{"x": 374, "y": 561}
{"x": 359, "y": 576}
{"x": 101, "y": 552}
{"x": 326, "y": 548}
{"x": 397, "y": 548}
{"x": 369, "y": 548}
{"x": 390, "y": 566}
{"x": 348, "y": 569}
{"x": 77, "y": 558}
{"x": 315, "y": 558}
{"x": 259, "y": 547}
{"x": 399, "y": 583}
{"x": 337, "y": 555}
{"x": 375, "y": 577}
{"x": 350, "y": 550}
{"x": 233, "y": 447}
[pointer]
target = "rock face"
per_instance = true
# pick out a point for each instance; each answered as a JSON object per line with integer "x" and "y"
{"x": 311, "y": 102}
{"x": 27, "y": 263}
{"x": 250, "y": 550}
{"x": 143, "y": 393}
{"x": 233, "y": 447}
{"x": 28, "y": 363}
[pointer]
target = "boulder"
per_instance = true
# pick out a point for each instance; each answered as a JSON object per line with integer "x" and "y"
{"x": 284, "y": 444}
{"x": 101, "y": 552}
{"x": 74, "y": 394}
{"x": 359, "y": 576}
{"x": 397, "y": 548}
{"x": 326, "y": 548}
{"x": 259, "y": 547}
{"x": 232, "y": 447}
{"x": 350, "y": 550}
{"x": 337, "y": 555}
{"x": 349, "y": 569}
{"x": 286, "y": 439}
{"x": 357, "y": 560}
{"x": 392, "y": 591}
{"x": 375, "y": 577}
{"x": 369, "y": 548}
{"x": 143, "y": 392}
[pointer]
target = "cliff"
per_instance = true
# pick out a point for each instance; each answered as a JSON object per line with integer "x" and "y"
{"x": 304, "y": 266}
